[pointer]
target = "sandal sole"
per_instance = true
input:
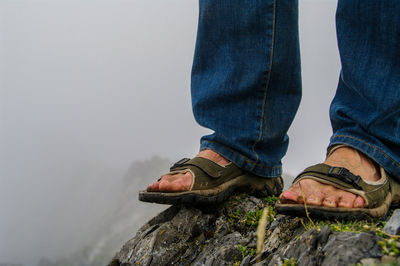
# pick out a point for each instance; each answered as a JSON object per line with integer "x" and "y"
{"x": 336, "y": 213}
{"x": 248, "y": 183}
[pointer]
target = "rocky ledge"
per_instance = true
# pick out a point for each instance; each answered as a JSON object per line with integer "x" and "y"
{"x": 225, "y": 234}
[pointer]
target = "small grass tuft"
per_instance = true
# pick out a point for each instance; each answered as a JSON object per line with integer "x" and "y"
{"x": 252, "y": 218}
{"x": 270, "y": 200}
{"x": 246, "y": 250}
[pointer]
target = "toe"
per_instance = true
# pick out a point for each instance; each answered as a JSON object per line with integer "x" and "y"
{"x": 156, "y": 185}
{"x": 153, "y": 187}
{"x": 292, "y": 194}
{"x": 346, "y": 200}
{"x": 315, "y": 198}
{"x": 331, "y": 201}
{"x": 288, "y": 196}
{"x": 359, "y": 202}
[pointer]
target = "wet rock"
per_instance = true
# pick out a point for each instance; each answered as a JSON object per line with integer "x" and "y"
{"x": 393, "y": 225}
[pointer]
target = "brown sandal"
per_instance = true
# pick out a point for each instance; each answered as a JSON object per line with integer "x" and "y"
{"x": 213, "y": 183}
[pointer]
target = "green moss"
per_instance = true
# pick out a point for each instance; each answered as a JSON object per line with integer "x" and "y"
{"x": 270, "y": 200}
{"x": 390, "y": 247}
{"x": 389, "y": 244}
{"x": 252, "y": 218}
{"x": 346, "y": 226}
{"x": 381, "y": 264}
{"x": 353, "y": 226}
{"x": 290, "y": 262}
{"x": 234, "y": 216}
{"x": 246, "y": 251}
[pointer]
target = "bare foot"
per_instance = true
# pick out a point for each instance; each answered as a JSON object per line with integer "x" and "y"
{"x": 183, "y": 182}
{"x": 318, "y": 194}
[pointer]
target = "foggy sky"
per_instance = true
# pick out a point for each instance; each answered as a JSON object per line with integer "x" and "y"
{"x": 88, "y": 86}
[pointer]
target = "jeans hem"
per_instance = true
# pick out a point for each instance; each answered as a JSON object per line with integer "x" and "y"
{"x": 374, "y": 152}
{"x": 242, "y": 161}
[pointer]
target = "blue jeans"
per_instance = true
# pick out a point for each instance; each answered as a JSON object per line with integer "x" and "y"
{"x": 246, "y": 80}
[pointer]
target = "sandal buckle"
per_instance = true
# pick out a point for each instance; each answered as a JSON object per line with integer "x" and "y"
{"x": 346, "y": 176}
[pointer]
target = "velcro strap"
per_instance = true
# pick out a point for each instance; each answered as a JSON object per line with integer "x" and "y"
{"x": 211, "y": 169}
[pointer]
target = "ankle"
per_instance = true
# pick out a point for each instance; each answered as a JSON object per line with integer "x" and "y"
{"x": 356, "y": 162}
{"x": 213, "y": 156}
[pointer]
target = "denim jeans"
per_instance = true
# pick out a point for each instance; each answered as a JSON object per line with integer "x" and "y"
{"x": 246, "y": 80}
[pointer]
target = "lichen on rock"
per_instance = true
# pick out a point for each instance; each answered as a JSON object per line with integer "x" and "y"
{"x": 225, "y": 234}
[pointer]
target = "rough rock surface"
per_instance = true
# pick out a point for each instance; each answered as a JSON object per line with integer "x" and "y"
{"x": 393, "y": 225}
{"x": 226, "y": 235}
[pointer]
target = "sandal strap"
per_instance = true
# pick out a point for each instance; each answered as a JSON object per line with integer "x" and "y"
{"x": 374, "y": 193}
{"x": 339, "y": 174}
{"x": 206, "y": 173}
{"x": 207, "y": 166}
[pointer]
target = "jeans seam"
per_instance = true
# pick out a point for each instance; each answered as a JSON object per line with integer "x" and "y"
{"x": 266, "y": 87}
{"x": 370, "y": 145}
{"x": 255, "y": 164}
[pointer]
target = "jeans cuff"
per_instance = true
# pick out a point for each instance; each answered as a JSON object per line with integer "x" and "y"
{"x": 242, "y": 161}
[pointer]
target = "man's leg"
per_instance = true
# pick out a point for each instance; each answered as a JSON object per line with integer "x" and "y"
{"x": 365, "y": 112}
{"x": 246, "y": 84}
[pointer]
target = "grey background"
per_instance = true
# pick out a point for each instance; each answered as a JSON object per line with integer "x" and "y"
{"x": 89, "y": 86}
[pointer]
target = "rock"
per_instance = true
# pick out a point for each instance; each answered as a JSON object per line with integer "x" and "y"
{"x": 393, "y": 225}
{"x": 369, "y": 262}
{"x": 388, "y": 259}
{"x": 226, "y": 235}
{"x": 221, "y": 252}
{"x": 349, "y": 248}
{"x": 246, "y": 261}
{"x": 325, "y": 247}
